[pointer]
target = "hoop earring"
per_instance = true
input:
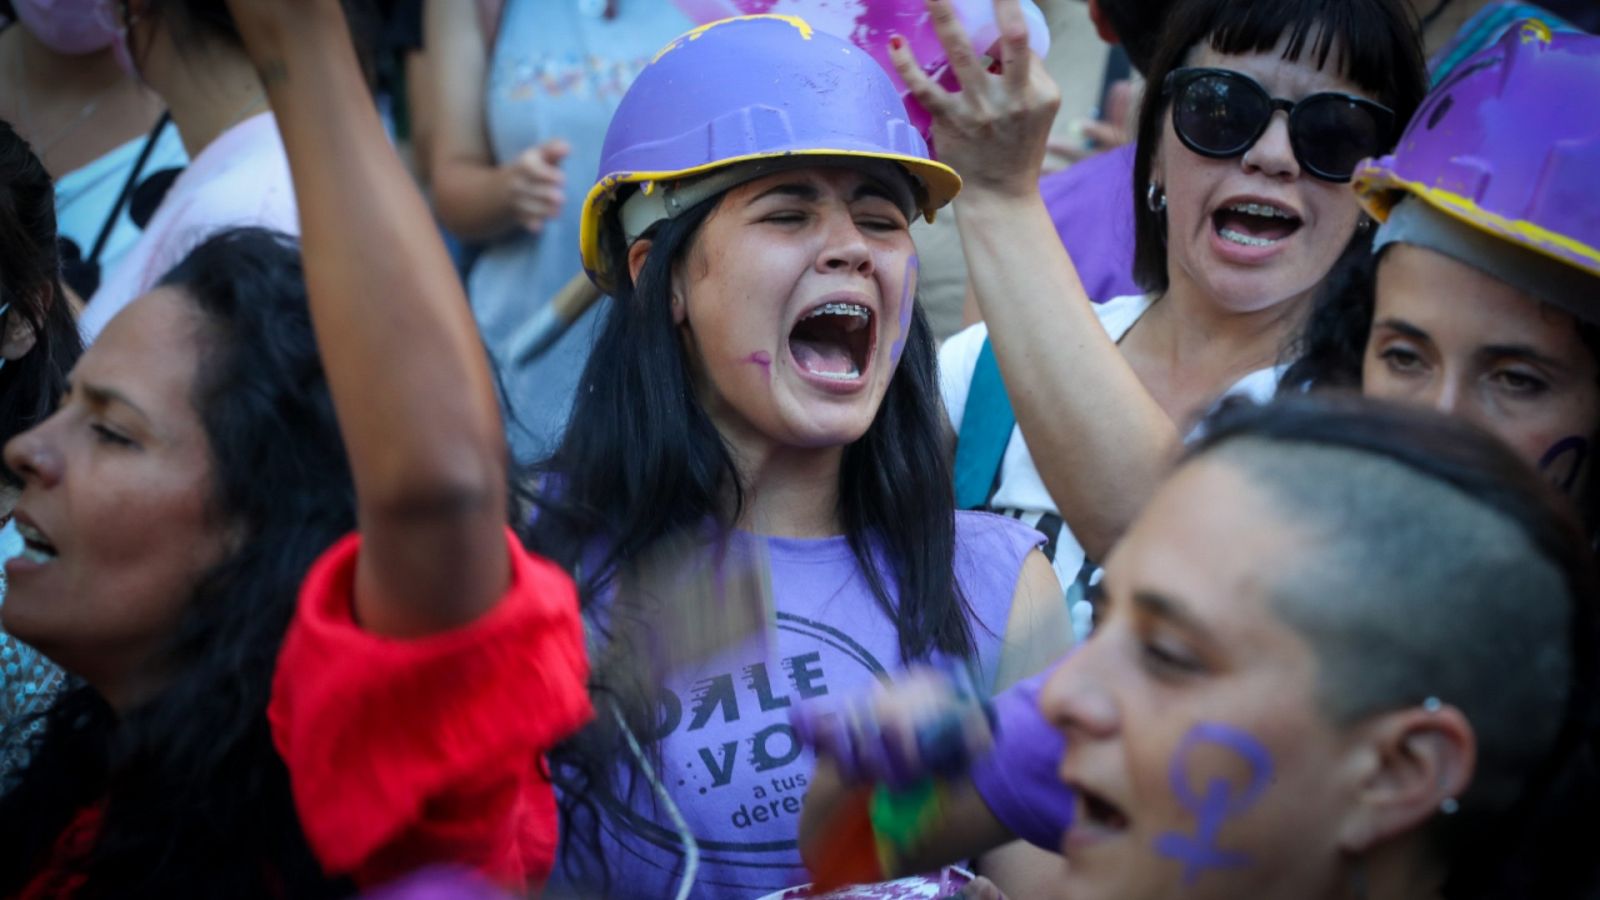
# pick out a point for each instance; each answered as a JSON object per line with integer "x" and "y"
{"x": 1155, "y": 198}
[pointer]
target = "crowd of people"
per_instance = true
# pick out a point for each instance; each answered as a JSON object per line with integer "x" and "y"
{"x": 490, "y": 449}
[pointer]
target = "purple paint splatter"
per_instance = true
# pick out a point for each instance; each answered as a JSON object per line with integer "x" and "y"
{"x": 1575, "y": 449}
{"x": 764, "y": 360}
{"x": 1199, "y": 851}
{"x": 908, "y": 301}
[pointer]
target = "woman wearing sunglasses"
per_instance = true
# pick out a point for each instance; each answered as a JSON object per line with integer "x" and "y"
{"x": 1485, "y": 305}
{"x": 1260, "y": 113}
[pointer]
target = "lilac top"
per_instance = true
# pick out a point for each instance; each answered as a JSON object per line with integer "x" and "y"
{"x": 729, "y": 757}
{"x": 1091, "y": 203}
{"x": 241, "y": 178}
{"x": 1018, "y": 779}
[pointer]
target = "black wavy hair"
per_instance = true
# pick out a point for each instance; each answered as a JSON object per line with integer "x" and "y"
{"x": 1376, "y": 41}
{"x": 30, "y": 280}
{"x": 195, "y": 800}
{"x": 641, "y": 460}
{"x": 1542, "y": 846}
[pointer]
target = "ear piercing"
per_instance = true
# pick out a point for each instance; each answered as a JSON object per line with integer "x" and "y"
{"x": 1450, "y": 805}
{"x": 1155, "y": 198}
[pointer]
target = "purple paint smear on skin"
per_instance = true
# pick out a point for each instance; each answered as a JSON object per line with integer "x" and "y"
{"x": 908, "y": 300}
{"x": 1574, "y": 447}
{"x": 764, "y": 360}
{"x": 1199, "y": 851}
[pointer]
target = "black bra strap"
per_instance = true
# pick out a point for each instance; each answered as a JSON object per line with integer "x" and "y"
{"x": 127, "y": 188}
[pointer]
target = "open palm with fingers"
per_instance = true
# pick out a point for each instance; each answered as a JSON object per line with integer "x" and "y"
{"x": 995, "y": 130}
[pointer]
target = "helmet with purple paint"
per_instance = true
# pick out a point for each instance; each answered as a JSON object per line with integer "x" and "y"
{"x": 750, "y": 92}
{"x": 870, "y": 24}
{"x": 1510, "y": 145}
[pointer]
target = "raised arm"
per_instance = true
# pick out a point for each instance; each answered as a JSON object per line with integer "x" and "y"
{"x": 1098, "y": 438}
{"x": 410, "y": 382}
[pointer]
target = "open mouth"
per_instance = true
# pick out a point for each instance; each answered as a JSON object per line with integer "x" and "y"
{"x": 1098, "y": 813}
{"x": 1254, "y": 224}
{"x": 36, "y": 548}
{"x": 833, "y": 341}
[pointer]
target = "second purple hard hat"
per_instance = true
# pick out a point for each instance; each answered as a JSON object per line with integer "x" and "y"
{"x": 1510, "y": 145}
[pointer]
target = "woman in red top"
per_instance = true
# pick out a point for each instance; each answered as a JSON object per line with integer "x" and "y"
{"x": 222, "y": 742}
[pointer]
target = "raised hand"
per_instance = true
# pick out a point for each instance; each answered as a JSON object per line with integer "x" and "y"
{"x": 995, "y": 130}
{"x": 932, "y": 723}
{"x": 536, "y": 184}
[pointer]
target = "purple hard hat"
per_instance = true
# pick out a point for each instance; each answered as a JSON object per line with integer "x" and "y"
{"x": 754, "y": 89}
{"x": 1510, "y": 145}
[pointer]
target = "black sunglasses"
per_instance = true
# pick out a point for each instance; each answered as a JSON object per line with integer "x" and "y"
{"x": 1221, "y": 113}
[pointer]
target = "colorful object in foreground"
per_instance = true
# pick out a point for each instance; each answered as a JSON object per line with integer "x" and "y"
{"x": 933, "y": 723}
{"x": 846, "y": 846}
{"x": 873, "y": 831}
{"x": 869, "y": 24}
{"x": 696, "y": 110}
{"x": 1510, "y": 144}
{"x": 897, "y": 744}
{"x": 901, "y": 818}
{"x": 1222, "y": 798}
{"x": 947, "y": 882}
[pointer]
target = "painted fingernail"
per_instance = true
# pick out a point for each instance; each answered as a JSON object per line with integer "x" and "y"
{"x": 897, "y": 43}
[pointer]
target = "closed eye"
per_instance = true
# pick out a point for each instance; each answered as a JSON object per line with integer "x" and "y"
{"x": 1170, "y": 662}
{"x": 1402, "y": 359}
{"x": 110, "y": 436}
{"x": 1521, "y": 382}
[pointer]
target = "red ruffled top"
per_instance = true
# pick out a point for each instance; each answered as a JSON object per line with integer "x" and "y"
{"x": 408, "y": 752}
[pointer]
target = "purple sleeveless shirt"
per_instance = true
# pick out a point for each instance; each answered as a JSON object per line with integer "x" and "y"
{"x": 730, "y": 760}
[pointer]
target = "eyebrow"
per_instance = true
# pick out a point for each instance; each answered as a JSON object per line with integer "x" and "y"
{"x": 808, "y": 192}
{"x": 1405, "y": 328}
{"x": 100, "y": 395}
{"x": 1521, "y": 351}
{"x": 1160, "y": 605}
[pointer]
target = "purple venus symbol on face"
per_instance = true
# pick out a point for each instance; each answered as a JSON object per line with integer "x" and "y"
{"x": 1563, "y": 462}
{"x": 908, "y": 301}
{"x": 1199, "y": 851}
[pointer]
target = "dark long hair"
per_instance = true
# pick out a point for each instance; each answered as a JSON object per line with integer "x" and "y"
{"x": 642, "y": 460}
{"x": 30, "y": 280}
{"x": 1377, "y": 41}
{"x": 195, "y": 800}
{"x": 1542, "y": 845}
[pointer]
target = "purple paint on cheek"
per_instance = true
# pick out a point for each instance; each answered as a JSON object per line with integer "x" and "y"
{"x": 908, "y": 301}
{"x": 762, "y": 359}
{"x": 1563, "y": 462}
{"x": 1199, "y": 851}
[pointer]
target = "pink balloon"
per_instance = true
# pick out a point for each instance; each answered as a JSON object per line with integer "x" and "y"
{"x": 869, "y": 24}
